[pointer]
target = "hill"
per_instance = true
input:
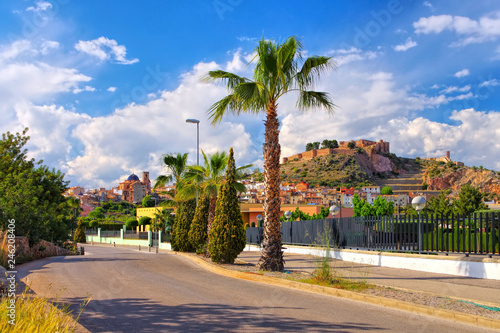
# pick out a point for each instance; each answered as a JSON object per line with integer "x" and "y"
{"x": 346, "y": 168}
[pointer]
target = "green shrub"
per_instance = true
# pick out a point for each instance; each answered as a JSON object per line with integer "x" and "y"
{"x": 182, "y": 224}
{"x": 94, "y": 224}
{"x": 131, "y": 223}
{"x": 198, "y": 233}
{"x": 227, "y": 236}
{"x": 80, "y": 236}
{"x": 145, "y": 220}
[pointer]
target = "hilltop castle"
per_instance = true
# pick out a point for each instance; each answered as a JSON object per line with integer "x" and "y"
{"x": 376, "y": 147}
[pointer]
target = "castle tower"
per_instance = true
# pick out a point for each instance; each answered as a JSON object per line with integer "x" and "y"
{"x": 145, "y": 179}
{"x": 448, "y": 155}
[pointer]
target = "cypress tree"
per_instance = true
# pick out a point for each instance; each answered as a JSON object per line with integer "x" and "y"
{"x": 227, "y": 235}
{"x": 198, "y": 231}
{"x": 182, "y": 223}
{"x": 80, "y": 236}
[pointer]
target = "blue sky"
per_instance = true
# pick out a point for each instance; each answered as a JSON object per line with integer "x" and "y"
{"x": 105, "y": 86}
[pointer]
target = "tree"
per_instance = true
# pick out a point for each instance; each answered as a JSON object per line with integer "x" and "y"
{"x": 164, "y": 220}
{"x": 276, "y": 73}
{"x": 309, "y": 146}
{"x": 131, "y": 223}
{"x": 97, "y": 214}
{"x": 440, "y": 204}
{"x": 176, "y": 166}
{"x": 351, "y": 145}
{"x": 182, "y": 224}
{"x": 198, "y": 231}
{"x": 31, "y": 193}
{"x": 75, "y": 209}
{"x": 208, "y": 179}
{"x": 329, "y": 144}
{"x": 386, "y": 190}
{"x": 148, "y": 201}
{"x": 145, "y": 220}
{"x": 227, "y": 236}
{"x": 94, "y": 224}
{"x": 80, "y": 236}
{"x": 469, "y": 200}
{"x": 380, "y": 207}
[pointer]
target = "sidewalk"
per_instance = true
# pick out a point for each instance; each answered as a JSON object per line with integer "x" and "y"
{"x": 483, "y": 291}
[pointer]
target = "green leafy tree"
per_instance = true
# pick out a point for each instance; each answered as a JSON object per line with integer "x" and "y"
{"x": 145, "y": 220}
{"x": 131, "y": 223}
{"x": 440, "y": 204}
{"x": 198, "y": 231}
{"x": 176, "y": 166}
{"x": 208, "y": 179}
{"x": 94, "y": 224}
{"x": 31, "y": 193}
{"x": 383, "y": 207}
{"x": 75, "y": 209}
{"x": 164, "y": 219}
{"x": 80, "y": 236}
{"x": 148, "y": 201}
{"x": 351, "y": 145}
{"x": 227, "y": 236}
{"x": 182, "y": 224}
{"x": 97, "y": 213}
{"x": 309, "y": 146}
{"x": 469, "y": 200}
{"x": 386, "y": 190}
{"x": 279, "y": 69}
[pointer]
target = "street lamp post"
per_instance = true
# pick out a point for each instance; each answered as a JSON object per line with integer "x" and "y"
{"x": 334, "y": 210}
{"x": 158, "y": 235}
{"x": 339, "y": 207}
{"x": 419, "y": 203}
{"x": 288, "y": 215}
{"x": 197, "y": 122}
{"x": 259, "y": 220}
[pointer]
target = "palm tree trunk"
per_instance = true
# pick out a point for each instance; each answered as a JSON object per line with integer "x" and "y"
{"x": 272, "y": 254}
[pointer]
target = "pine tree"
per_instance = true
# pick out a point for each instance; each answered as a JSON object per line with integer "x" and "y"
{"x": 80, "y": 236}
{"x": 183, "y": 218}
{"x": 198, "y": 231}
{"x": 227, "y": 235}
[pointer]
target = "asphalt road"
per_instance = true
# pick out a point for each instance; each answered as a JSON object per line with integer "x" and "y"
{"x": 134, "y": 291}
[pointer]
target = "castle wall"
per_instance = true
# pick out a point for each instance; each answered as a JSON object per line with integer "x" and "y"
{"x": 379, "y": 147}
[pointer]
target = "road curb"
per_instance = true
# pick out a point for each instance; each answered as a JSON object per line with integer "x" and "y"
{"x": 455, "y": 316}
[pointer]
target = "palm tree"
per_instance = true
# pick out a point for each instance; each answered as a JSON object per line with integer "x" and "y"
{"x": 176, "y": 166}
{"x": 208, "y": 179}
{"x": 276, "y": 73}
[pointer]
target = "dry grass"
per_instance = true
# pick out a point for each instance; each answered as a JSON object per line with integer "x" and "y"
{"x": 36, "y": 314}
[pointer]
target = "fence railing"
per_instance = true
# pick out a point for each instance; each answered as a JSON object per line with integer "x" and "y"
{"x": 471, "y": 234}
{"x": 110, "y": 233}
{"x": 131, "y": 234}
{"x": 90, "y": 231}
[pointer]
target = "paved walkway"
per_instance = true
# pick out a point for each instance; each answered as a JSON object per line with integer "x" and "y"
{"x": 483, "y": 291}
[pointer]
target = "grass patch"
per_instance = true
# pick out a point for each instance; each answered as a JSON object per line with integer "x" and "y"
{"x": 36, "y": 314}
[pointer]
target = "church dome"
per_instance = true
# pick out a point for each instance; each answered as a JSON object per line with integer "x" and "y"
{"x": 133, "y": 177}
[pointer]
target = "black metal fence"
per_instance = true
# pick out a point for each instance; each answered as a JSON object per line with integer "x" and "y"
{"x": 477, "y": 234}
{"x": 131, "y": 234}
{"x": 110, "y": 233}
{"x": 91, "y": 231}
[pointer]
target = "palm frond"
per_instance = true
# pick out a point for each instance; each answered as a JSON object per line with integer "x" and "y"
{"x": 315, "y": 99}
{"x": 226, "y": 78}
{"x": 229, "y": 104}
{"x": 162, "y": 180}
{"x": 312, "y": 69}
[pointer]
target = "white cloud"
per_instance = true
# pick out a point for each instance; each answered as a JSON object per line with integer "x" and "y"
{"x": 86, "y": 88}
{"x": 345, "y": 56}
{"x": 464, "y": 72}
{"x": 41, "y": 6}
{"x": 105, "y": 49}
{"x": 112, "y": 89}
{"x": 466, "y": 140}
{"x": 48, "y": 45}
{"x": 451, "y": 89}
{"x": 15, "y": 49}
{"x": 407, "y": 45}
{"x": 492, "y": 83}
{"x": 487, "y": 28}
{"x": 428, "y": 4}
